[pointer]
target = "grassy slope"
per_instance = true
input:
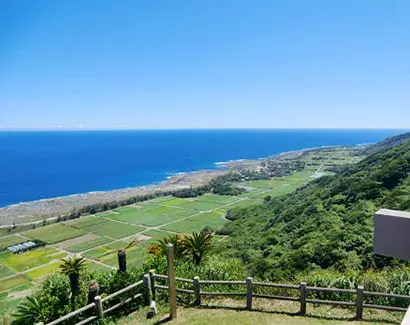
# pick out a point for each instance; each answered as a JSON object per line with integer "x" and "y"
{"x": 266, "y": 312}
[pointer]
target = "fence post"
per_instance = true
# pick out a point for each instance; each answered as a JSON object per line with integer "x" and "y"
{"x": 147, "y": 289}
{"x": 359, "y": 302}
{"x": 249, "y": 285}
{"x": 197, "y": 291}
{"x": 303, "y": 295}
{"x": 152, "y": 278}
{"x": 171, "y": 282}
{"x": 98, "y": 307}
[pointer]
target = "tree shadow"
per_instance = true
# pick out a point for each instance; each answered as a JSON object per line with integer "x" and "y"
{"x": 164, "y": 320}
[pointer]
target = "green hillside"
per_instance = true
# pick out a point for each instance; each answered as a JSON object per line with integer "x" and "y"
{"x": 387, "y": 143}
{"x": 326, "y": 224}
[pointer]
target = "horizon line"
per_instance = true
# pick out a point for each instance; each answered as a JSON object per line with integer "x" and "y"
{"x": 192, "y": 129}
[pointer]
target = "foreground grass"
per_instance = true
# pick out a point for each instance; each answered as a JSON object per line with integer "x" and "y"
{"x": 266, "y": 312}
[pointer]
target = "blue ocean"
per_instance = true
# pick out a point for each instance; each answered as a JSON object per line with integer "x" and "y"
{"x": 38, "y": 165}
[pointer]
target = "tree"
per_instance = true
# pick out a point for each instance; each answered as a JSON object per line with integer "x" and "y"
{"x": 29, "y": 312}
{"x": 160, "y": 248}
{"x": 72, "y": 267}
{"x": 197, "y": 244}
{"x": 122, "y": 255}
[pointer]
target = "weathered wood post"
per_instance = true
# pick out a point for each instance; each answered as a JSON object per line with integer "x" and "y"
{"x": 303, "y": 294}
{"x": 171, "y": 281}
{"x": 99, "y": 312}
{"x": 152, "y": 278}
{"x": 122, "y": 260}
{"x": 359, "y": 302}
{"x": 93, "y": 291}
{"x": 147, "y": 289}
{"x": 249, "y": 285}
{"x": 197, "y": 291}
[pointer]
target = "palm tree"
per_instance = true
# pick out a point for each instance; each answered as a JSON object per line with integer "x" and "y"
{"x": 160, "y": 247}
{"x": 197, "y": 244}
{"x": 29, "y": 312}
{"x": 72, "y": 266}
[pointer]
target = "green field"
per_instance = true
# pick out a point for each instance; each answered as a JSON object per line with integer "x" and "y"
{"x": 10, "y": 241}
{"x": 54, "y": 233}
{"x": 105, "y": 250}
{"x": 243, "y": 203}
{"x": 157, "y": 234}
{"x": 5, "y": 271}
{"x": 197, "y": 205}
{"x": 12, "y": 282}
{"x": 113, "y": 229}
{"x": 84, "y": 222}
{"x": 135, "y": 256}
{"x": 43, "y": 271}
{"x": 279, "y": 191}
{"x": 88, "y": 245}
{"x": 29, "y": 260}
{"x": 197, "y": 223}
{"x": 92, "y": 266}
{"x": 220, "y": 199}
{"x": 152, "y": 215}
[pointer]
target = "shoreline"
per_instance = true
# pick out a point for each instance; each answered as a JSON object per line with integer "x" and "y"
{"x": 48, "y": 208}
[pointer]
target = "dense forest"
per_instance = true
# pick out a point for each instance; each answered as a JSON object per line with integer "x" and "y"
{"x": 328, "y": 223}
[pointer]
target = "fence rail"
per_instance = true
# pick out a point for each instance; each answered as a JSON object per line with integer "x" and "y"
{"x": 359, "y": 294}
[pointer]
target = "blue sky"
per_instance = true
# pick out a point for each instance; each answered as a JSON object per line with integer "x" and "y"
{"x": 204, "y": 64}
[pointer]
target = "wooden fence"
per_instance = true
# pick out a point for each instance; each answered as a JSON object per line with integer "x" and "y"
{"x": 195, "y": 288}
{"x": 302, "y": 290}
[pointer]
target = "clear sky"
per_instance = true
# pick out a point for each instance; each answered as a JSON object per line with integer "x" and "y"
{"x": 205, "y": 63}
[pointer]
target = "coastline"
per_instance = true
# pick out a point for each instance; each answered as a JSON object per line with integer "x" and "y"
{"x": 49, "y": 208}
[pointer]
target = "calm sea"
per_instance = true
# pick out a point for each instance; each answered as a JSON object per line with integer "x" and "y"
{"x": 37, "y": 165}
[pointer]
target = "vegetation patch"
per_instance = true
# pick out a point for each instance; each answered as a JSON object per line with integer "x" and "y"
{"x": 54, "y": 233}
{"x": 114, "y": 229}
{"x": 198, "y": 205}
{"x": 220, "y": 199}
{"x": 43, "y": 271}
{"x": 99, "y": 252}
{"x": 279, "y": 191}
{"x": 243, "y": 204}
{"x": 88, "y": 245}
{"x": 152, "y": 215}
{"x": 92, "y": 266}
{"x": 77, "y": 241}
{"x": 135, "y": 256}
{"x": 28, "y": 260}
{"x": 211, "y": 220}
{"x": 84, "y": 222}
{"x": 156, "y": 234}
{"x": 12, "y": 282}
{"x": 5, "y": 271}
{"x": 10, "y": 241}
